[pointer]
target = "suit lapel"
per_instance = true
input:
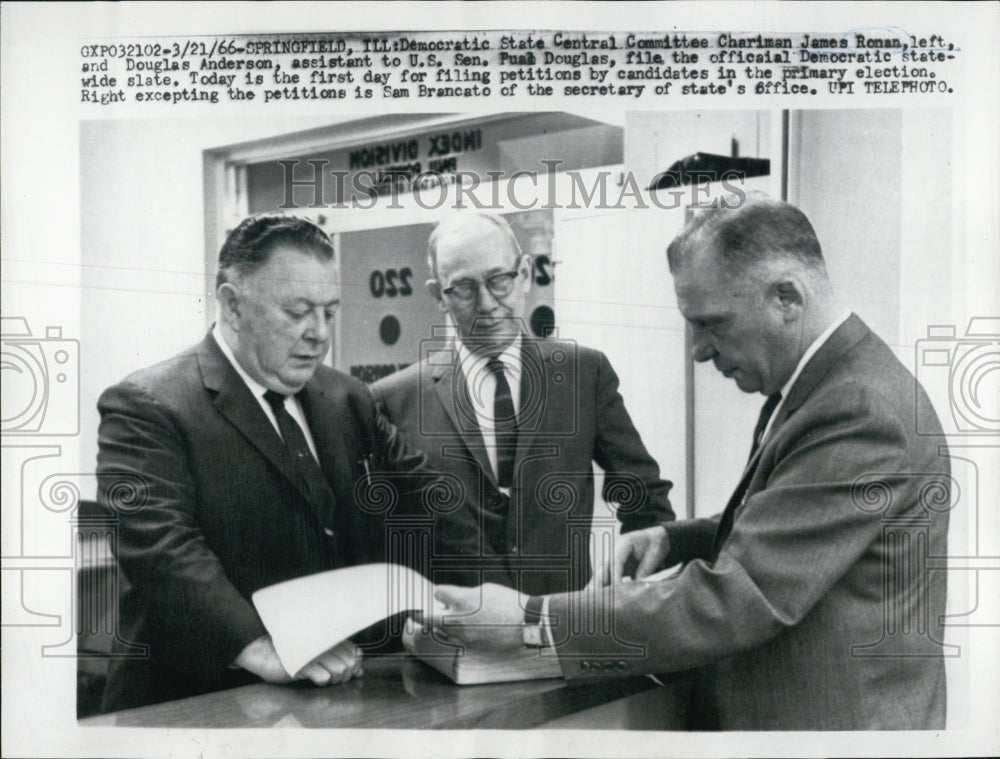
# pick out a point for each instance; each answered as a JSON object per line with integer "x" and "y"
{"x": 453, "y": 393}
{"x": 327, "y": 427}
{"x": 235, "y": 402}
{"x": 535, "y": 408}
{"x": 845, "y": 337}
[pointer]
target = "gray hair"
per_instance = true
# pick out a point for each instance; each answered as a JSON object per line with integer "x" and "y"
{"x": 756, "y": 230}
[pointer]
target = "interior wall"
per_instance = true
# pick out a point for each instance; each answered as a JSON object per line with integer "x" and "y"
{"x": 613, "y": 293}
{"x": 876, "y": 186}
{"x": 142, "y": 242}
{"x": 845, "y": 174}
{"x": 655, "y": 139}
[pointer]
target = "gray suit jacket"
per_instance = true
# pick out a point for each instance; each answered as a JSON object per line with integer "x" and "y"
{"x": 818, "y": 610}
{"x": 571, "y": 414}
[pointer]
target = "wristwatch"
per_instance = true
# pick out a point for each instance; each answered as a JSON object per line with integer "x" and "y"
{"x": 533, "y": 632}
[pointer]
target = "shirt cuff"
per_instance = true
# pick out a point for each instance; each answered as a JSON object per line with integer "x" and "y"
{"x": 546, "y": 627}
{"x": 537, "y": 632}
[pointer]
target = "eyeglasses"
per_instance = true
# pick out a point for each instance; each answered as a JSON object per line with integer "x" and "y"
{"x": 466, "y": 290}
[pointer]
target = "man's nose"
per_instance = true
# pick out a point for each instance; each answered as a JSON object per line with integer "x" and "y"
{"x": 486, "y": 301}
{"x": 702, "y": 350}
{"x": 319, "y": 328}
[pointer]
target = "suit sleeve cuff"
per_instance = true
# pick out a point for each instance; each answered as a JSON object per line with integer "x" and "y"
{"x": 689, "y": 539}
{"x": 246, "y": 628}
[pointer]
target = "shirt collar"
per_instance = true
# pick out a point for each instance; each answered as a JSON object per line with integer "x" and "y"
{"x": 255, "y": 387}
{"x": 811, "y": 351}
{"x": 475, "y": 362}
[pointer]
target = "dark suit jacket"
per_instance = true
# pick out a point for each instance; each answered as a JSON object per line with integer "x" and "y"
{"x": 819, "y": 611}
{"x": 570, "y": 415}
{"x": 219, "y": 515}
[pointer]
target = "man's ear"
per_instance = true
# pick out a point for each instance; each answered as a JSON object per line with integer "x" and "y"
{"x": 434, "y": 288}
{"x": 229, "y": 303}
{"x": 525, "y": 269}
{"x": 789, "y": 296}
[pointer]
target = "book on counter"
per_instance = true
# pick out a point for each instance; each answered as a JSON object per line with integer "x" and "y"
{"x": 467, "y": 666}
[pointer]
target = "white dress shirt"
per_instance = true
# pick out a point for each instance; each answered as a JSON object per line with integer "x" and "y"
{"x": 292, "y": 405}
{"x": 810, "y": 352}
{"x": 482, "y": 387}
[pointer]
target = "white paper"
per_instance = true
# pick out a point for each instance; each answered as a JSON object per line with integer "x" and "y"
{"x": 104, "y": 238}
{"x": 312, "y": 614}
{"x": 664, "y": 574}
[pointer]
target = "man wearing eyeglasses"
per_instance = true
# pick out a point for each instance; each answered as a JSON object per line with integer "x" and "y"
{"x": 519, "y": 421}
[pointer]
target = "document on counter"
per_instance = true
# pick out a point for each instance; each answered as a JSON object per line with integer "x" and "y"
{"x": 309, "y": 615}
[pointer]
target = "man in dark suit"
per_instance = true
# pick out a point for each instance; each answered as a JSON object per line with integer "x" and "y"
{"x": 808, "y": 603}
{"x": 518, "y": 421}
{"x": 233, "y": 466}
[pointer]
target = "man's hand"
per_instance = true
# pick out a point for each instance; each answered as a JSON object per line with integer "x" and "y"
{"x": 637, "y": 554}
{"x": 260, "y": 658}
{"x": 338, "y": 665}
{"x": 488, "y": 617}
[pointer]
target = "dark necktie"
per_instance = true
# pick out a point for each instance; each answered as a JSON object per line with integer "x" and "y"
{"x": 765, "y": 416}
{"x": 729, "y": 515}
{"x": 308, "y": 469}
{"x": 505, "y": 424}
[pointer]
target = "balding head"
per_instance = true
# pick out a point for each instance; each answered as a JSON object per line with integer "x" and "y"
{"x": 757, "y": 231}
{"x": 468, "y": 225}
{"x": 480, "y": 277}
{"x": 752, "y": 283}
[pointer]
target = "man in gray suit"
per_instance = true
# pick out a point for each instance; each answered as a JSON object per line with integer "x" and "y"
{"x": 807, "y": 603}
{"x": 518, "y": 422}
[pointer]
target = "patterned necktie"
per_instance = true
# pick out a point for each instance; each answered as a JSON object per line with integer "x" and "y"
{"x": 301, "y": 457}
{"x": 505, "y": 424}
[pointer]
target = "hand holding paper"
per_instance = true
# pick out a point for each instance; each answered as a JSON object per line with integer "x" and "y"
{"x": 337, "y": 665}
{"x": 306, "y": 615}
{"x": 260, "y": 658}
